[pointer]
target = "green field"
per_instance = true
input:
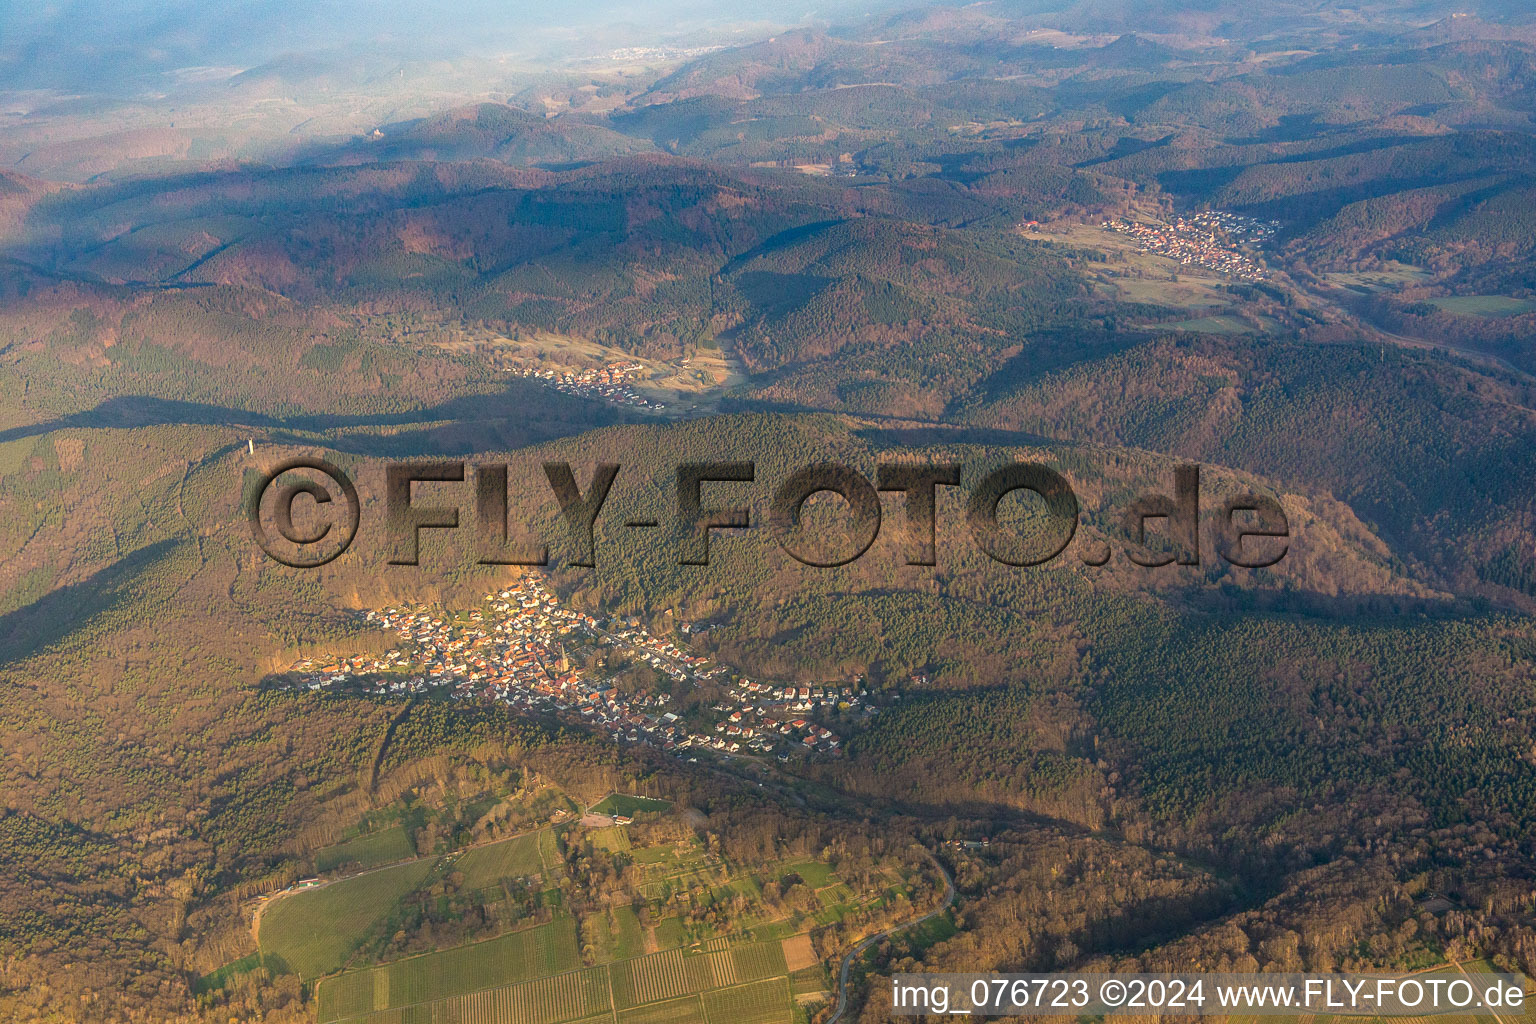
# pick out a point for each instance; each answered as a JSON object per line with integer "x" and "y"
{"x": 1485, "y": 305}
{"x": 778, "y": 930}
{"x": 613, "y": 839}
{"x": 628, "y": 936}
{"x": 815, "y": 874}
{"x": 218, "y": 978}
{"x": 485, "y": 866}
{"x": 669, "y": 933}
{"x": 744, "y": 885}
{"x": 368, "y": 851}
{"x": 1390, "y": 276}
{"x": 314, "y": 932}
{"x": 1210, "y": 325}
{"x": 549, "y": 851}
{"x": 621, "y": 803}
{"x": 930, "y": 932}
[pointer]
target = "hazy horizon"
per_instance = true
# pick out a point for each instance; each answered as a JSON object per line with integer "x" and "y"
{"x": 122, "y": 48}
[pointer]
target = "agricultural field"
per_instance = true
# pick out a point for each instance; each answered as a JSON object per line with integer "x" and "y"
{"x": 669, "y": 933}
{"x": 834, "y": 894}
{"x": 598, "y": 966}
{"x": 1127, "y": 275}
{"x": 614, "y": 839}
{"x": 673, "y": 973}
{"x": 654, "y": 855}
{"x": 581, "y": 995}
{"x": 688, "y": 876}
{"x": 528, "y": 955}
{"x": 810, "y": 981}
{"x": 1211, "y": 325}
{"x": 549, "y": 849}
{"x": 1390, "y": 276}
{"x": 384, "y": 847}
{"x": 763, "y": 1002}
{"x": 314, "y": 932}
{"x": 778, "y": 930}
{"x": 686, "y": 1010}
{"x": 628, "y": 936}
{"x": 799, "y": 954}
{"x": 672, "y": 871}
{"x": 518, "y": 857}
{"x": 722, "y": 985}
{"x": 1485, "y": 305}
{"x": 814, "y": 873}
{"x": 621, "y": 803}
{"x": 930, "y": 932}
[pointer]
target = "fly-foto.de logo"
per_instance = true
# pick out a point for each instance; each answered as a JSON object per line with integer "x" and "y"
{"x": 305, "y": 513}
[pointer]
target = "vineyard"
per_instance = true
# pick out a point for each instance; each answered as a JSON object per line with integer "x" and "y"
{"x": 543, "y": 983}
{"x": 522, "y": 956}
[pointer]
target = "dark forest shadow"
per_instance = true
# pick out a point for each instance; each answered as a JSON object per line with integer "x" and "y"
{"x": 521, "y": 414}
{"x": 52, "y": 617}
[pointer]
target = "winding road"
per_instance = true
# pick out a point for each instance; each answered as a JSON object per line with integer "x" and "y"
{"x": 857, "y": 951}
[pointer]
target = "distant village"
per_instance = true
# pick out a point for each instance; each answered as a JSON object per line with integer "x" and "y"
{"x": 609, "y": 383}
{"x": 627, "y": 54}
{"x": 518, "y": 651}
{"x": 1208, "y": 240}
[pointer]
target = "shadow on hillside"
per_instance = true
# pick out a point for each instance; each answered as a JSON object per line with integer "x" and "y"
{"x": 125, "y": 411}
{"x": 52, "y": 617}
{"x": 519, "y": 399}
{"x": 521, "y": 414}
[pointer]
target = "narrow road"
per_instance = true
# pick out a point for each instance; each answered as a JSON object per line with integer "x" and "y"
{"x": 857, "y": 951}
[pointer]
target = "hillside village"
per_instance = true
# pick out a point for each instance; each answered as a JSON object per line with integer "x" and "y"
{"x": 1209, "y": 240}
{"x": 608, "y": 383}
{"x": 518, "y": 652}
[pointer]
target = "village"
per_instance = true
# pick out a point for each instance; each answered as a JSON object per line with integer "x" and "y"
{"x": 525, "y": 651}
{"x": 1209, "y": 240}
{"x": 608, "y": 383}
